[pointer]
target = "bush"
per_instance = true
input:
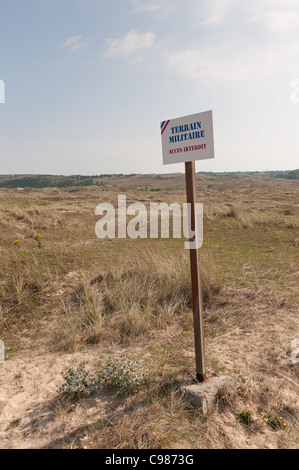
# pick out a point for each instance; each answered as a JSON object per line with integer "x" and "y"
{"x": 78, "y": 383}
{"x": 123, "y": 376}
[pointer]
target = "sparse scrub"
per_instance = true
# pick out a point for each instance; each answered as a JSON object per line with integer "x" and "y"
{"x": 79, "y": 300}
{"x": 268, "y": 220}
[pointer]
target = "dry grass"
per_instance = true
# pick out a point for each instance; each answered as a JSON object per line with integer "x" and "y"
{"x": 79, "y": 299}
{"x": 149, "y": 291}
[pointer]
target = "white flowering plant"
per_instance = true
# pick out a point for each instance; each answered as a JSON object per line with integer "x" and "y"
{"x": 78, "y": 383}
{"x": 122, "y": 375}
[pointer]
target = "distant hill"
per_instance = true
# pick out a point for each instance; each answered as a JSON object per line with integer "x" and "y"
{"x": 60, "y": 181}
{"x": 43, "y": 181}
{"x": 289, "y": 174}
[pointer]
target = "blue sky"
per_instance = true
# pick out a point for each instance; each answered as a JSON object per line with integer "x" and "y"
{"x": 87, "y": 83}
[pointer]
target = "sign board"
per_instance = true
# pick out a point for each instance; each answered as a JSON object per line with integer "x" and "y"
{"x": 188, "y": 138}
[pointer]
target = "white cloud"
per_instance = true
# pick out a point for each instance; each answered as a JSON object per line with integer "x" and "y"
{"x": 280, "y": 20}
{"x": 209, "y": 65}
{"x": 274, "y": 15}
{"x": 244, "y": 65}
{"x": 215, "y": 11}
{"x": 151, "y": 6}
{"x": 130, "y": 43}
{"x": 74, "y": 43}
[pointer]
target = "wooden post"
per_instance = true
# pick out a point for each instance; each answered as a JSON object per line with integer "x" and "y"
{"x": 196, "y": 280}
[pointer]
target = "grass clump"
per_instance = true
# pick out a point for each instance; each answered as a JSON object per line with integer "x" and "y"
{"x": 245, "y": 417}
{"x": 130, "y": 301}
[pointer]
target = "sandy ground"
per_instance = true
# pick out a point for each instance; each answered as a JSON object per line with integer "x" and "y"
{"x": 31, "y": 414}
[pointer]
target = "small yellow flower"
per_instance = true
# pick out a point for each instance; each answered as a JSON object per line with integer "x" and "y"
{"x": 17, "y": 242}
{"x": 284, "y": 424}
{"x": 266, "y": 419}
{"x": 262, "y": 413}
{"x": 275, "y": 404}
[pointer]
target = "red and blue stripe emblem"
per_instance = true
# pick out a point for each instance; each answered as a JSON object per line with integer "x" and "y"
{"x": 164, "y": 124}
